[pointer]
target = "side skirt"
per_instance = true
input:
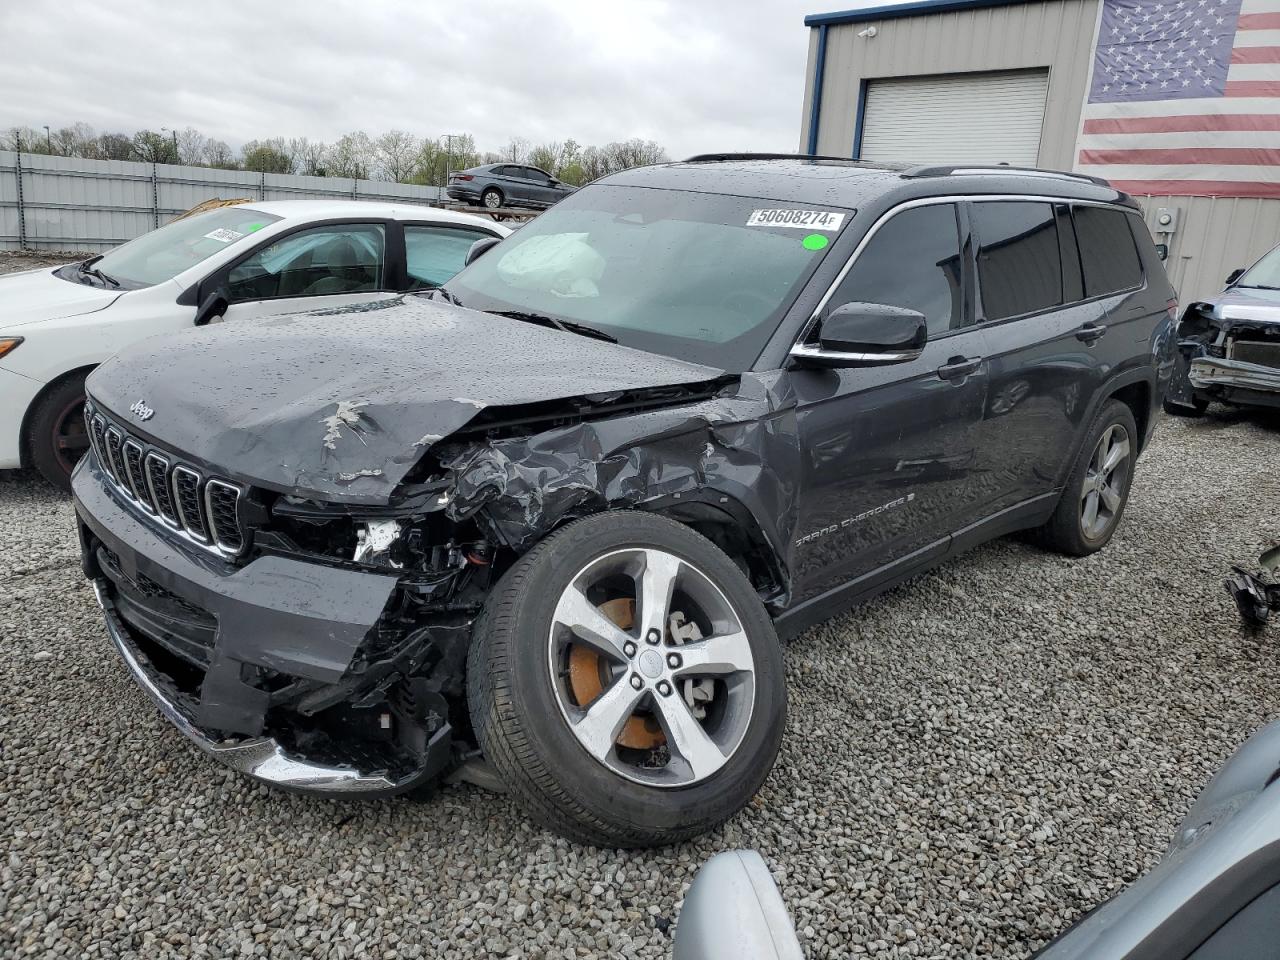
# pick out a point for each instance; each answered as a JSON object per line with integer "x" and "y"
{"x": 1022, "y": 516}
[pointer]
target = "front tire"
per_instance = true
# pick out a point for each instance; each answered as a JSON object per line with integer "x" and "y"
{"x": 1097, "y": 489}
{"x": 56, "y": 435}
{"x": 626, "y": 682}
{"x": 1194, "y": 410}
{"x": 491, "y": 198}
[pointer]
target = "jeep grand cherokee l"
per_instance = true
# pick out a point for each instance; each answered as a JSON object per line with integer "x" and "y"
{"x": 559, "y": 512}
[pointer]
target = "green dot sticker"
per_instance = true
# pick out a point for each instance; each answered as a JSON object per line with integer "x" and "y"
{"x": 258, "y": 226}
{"x": 815, "y": 241}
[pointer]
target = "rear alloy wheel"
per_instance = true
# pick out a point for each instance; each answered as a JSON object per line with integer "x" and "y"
{"x": 56, "y": 434}
{"x": 627, "y": 683}
{"x": 1097, "y": 489}
{"x": 492, "y": 198}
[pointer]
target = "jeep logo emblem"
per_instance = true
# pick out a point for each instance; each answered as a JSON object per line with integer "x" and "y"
{"x": 141, "y": 410}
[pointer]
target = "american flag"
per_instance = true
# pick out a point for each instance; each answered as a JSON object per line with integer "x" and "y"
{"x": 1184, "y": 98}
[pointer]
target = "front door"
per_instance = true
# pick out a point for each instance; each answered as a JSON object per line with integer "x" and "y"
{"x": 890, "y": 452}
{"x": 326, "y": 266}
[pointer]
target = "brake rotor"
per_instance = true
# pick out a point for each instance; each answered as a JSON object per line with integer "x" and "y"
{"x": 587, "y": 679}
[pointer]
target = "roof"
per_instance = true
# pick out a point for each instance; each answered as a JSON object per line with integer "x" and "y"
{"x": 854, "y": 183}
{"x": 329, "y": 209}
{"x": 894, "y": 10}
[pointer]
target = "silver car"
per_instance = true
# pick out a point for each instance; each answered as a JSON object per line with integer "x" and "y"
{"x": 1214, "y": 896}
{"x": 496, "y": 185}
{"x": 1229, "y": 347}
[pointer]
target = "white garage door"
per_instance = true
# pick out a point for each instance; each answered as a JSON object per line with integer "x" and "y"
{"x": 961, "y": 118}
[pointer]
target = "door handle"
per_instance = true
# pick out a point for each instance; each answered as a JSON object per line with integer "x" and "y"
{"x": 957, "y": 368}
{"x": 1091, "y": 332}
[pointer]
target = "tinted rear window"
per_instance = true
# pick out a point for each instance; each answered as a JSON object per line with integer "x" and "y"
{"x": 1019, "y": 267}
{"x": 1107, "y": 251}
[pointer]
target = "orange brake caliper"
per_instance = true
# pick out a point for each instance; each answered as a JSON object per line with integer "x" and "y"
{"x": 587, "y": 680}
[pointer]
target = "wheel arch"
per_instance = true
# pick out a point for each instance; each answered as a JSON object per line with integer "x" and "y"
{"x": 1134, "y": 388}
{"x": 736, "y": 531}
{"x": 24, "y": 434}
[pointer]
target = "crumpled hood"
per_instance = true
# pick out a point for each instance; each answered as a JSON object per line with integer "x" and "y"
{"x": 1247, "y": 303}
{"x": 340, "y": 404}
{"x": 35, "y": 295}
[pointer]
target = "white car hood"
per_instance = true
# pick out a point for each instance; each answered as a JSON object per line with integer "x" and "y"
{"x": 35, "y": 295}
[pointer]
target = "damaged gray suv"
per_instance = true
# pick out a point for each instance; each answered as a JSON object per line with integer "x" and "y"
{"x": 545, "y": 525}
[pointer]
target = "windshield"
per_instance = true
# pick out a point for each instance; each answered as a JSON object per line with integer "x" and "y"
{"x": 163, "y": 254}
{"x": 698, "y": 276}
{"x": 1265, "y": 273}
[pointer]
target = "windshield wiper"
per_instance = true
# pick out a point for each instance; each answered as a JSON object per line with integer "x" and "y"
{"x": 87, "y": 269}
{"x": 1257, "y": 286}
{"x": 568, "y": 326}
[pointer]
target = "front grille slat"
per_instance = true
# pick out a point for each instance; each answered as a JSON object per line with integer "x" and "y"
{"x": 205, "y": 510}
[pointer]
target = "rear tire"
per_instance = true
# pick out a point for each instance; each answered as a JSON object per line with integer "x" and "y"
{"x": 1072, "y": 529}
{"x": 56, "y": 437}
{"x": 516, "y": 688}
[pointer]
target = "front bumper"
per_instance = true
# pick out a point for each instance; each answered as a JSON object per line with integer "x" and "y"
{"x": 301, "y": 621}
{"x": 1208, "y": 373}
{"x": 17, "y": 393}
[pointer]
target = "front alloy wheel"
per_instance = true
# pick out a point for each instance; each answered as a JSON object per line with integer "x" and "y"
{"x": 626, "y": 683}
{"x": 651, "y": 668}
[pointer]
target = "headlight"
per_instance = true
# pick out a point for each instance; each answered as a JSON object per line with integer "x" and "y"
{"x": 7, "y": 345}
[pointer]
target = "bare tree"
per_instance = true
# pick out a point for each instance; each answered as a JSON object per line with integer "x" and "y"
{"x": 308, "y": 156}
{"x": 397, "y": 153}
{"x": 266, "y": 156}
{"x": 354, "y": 155}
{"x": 516, "y": 150}
{"x": 218, "y": 154}
{"x": 193, "y": 146}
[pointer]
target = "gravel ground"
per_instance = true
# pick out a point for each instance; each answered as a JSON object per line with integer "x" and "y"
{"x": 971, "y": 761}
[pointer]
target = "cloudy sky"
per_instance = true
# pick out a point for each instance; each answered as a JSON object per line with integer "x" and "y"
{"x": 696, "y": 75}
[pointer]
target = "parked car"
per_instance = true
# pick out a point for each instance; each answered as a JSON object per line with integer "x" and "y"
{"x": 1214, "y": 896}
{"x": 495, "y": 185}
{"x": 1229, "y": 346}
{"x": 562, "y": 509}
{"x": 234, "y": 263}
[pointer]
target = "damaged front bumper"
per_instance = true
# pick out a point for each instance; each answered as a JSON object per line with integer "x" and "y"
{"x": 229, "y": 653}
{"x": 1212, "y": 373}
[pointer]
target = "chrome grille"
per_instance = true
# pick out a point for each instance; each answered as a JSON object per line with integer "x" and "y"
{"x": 205, "y": 510}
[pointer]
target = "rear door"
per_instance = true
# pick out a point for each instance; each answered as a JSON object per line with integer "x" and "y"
{"x": 890, "y": 451}
{"x": 323, "y": 266}
{"x": 1057, "y": 329}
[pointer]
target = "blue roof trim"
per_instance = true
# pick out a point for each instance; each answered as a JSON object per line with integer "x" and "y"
{"x": 815, "y": 107}
{"x": 894, "y": 10}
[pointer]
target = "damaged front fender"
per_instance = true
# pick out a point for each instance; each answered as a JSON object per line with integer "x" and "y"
{"x": 738, "y": 451}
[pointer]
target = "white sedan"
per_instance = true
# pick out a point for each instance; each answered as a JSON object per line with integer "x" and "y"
{"x": 231, "y": 263}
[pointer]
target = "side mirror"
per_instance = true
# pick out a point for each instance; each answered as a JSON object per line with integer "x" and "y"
{"x": 212, "y": 307}
{"x": 859, "y": 334}
{"x": 733, "y": 911}
{"x": 1235, "y": 275}
{"x": 479, "y": 249}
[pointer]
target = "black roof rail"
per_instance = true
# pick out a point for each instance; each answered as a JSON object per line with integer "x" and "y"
{"x": 971, "y": 169}
{"x": 723, "y": 157}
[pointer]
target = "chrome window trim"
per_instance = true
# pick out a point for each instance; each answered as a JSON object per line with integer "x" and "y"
{"x": 177, "y": 503}
{"x": 212, "y": 524}
{"x": 799, "y": 342}
{"x": 172, "y": 522}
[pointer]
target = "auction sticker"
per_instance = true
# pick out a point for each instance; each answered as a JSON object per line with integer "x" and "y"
{"x": 223, "y": 235}
{"x": 800, "y": 219}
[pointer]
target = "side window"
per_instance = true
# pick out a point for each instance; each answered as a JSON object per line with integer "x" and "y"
{"x": 912, "y": 261}
{"x": 434, "y": 254}
{"x": 1019, "y": 264}
{"x": 537, "y": 176}
{"x": 1107, "y": 251}
{"x": 343, "y": 258}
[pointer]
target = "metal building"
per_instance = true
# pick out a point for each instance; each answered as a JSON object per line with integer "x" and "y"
{"x": 990, "y": 81}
